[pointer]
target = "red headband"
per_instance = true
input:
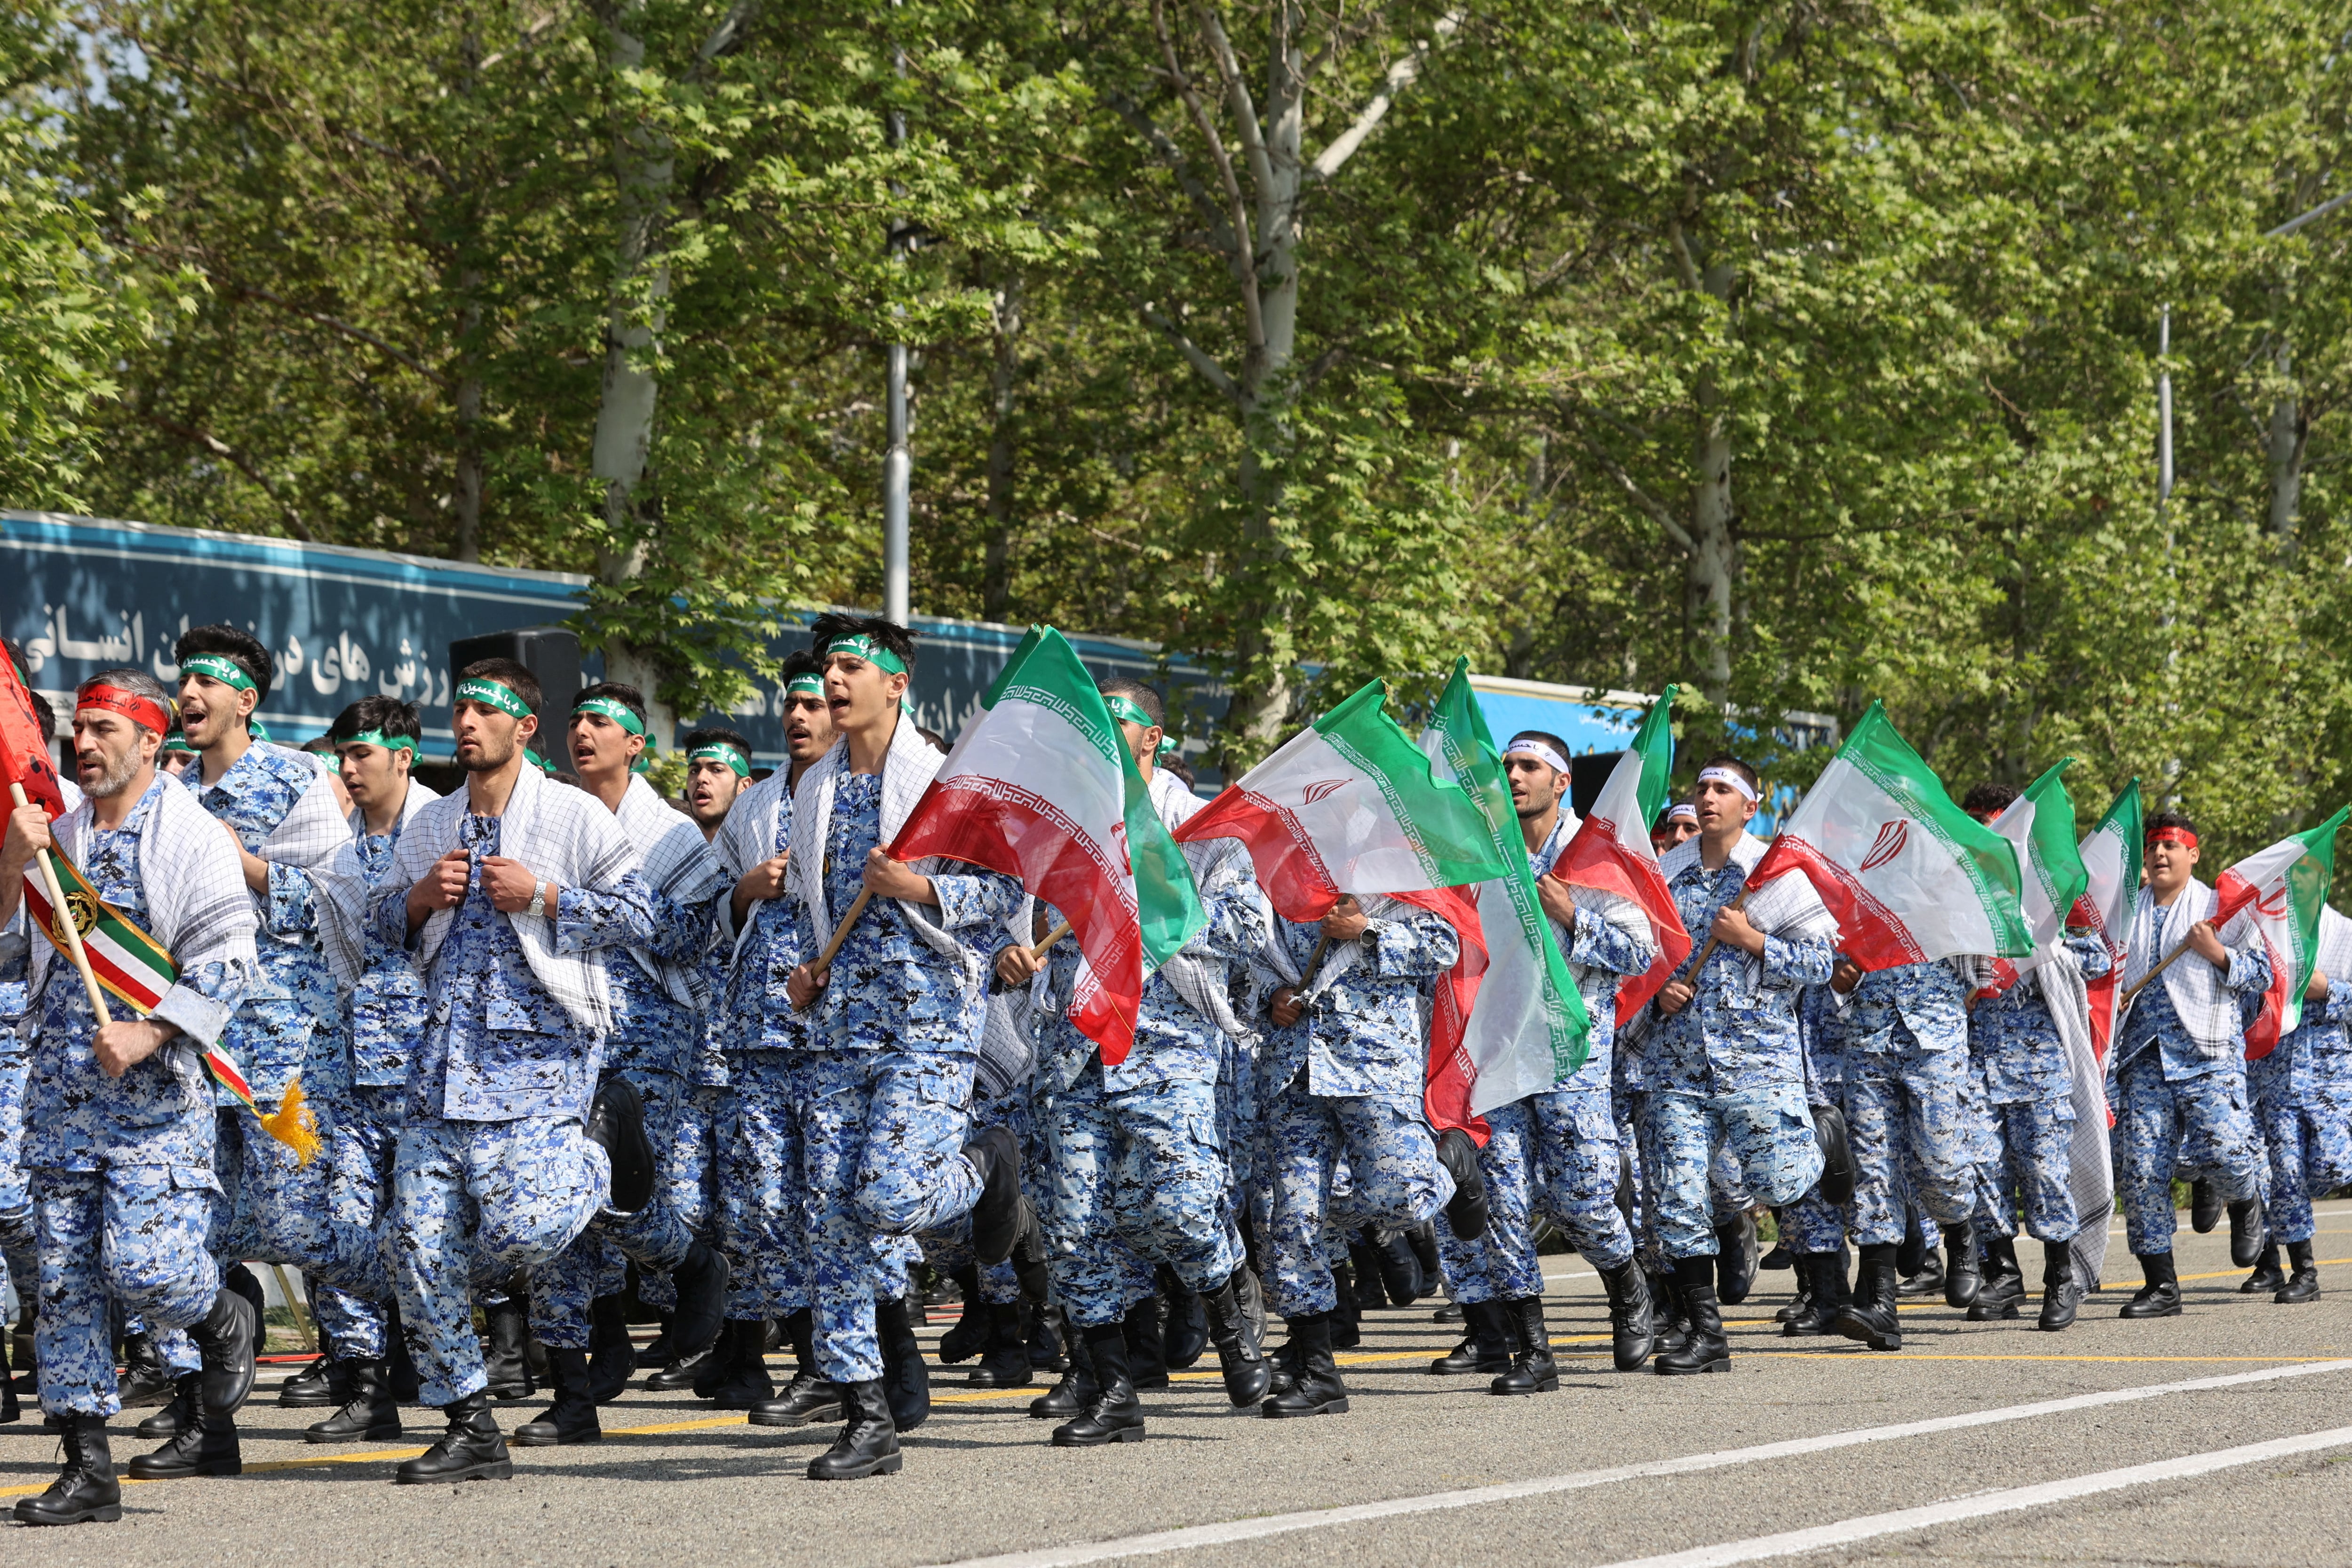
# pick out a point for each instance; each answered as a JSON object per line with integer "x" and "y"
{"x": 2180, "y": 836}
{"x": 130, "y": 704}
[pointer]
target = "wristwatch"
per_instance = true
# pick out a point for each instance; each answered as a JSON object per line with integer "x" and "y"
{"x": 537, "y": 902}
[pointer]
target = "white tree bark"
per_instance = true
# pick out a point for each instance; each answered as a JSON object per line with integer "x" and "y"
{"x": 2287, "y": 434}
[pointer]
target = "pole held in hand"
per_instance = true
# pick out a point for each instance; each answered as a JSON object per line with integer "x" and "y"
{"x": 61, "y": 919}
{"x": 2136, "y": 986}
{"x": 1708, "y": 952}
{"x": 1051, "y": 937}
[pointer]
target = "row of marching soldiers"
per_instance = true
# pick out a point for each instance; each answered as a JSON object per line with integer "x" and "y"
{"x": 554, "y": 1030}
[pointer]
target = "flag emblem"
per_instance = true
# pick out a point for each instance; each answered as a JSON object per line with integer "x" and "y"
{"x": 1891, "y": 838}
{"x": 1321, "y": 790}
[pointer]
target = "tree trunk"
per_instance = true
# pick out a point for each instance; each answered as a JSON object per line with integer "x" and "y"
{"x": 1713, "y": 569}
{"x": 2287, "y": 434}
{"x": 996, "y": 584}
{"x": 469, "y": 424}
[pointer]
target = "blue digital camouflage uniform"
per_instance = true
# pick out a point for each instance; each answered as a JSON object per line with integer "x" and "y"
{"x": 1502, "y": 1263}
{"x": 1727, "y": 1071}
{"x": 1135, "y": 1152}
{"x": 493, "y": 1171}
{"x": 2028, "y": 1093}
{"x": 762, "y": 1216}
{"x": 122, "y": 1181}
{"x": 950, "y": 1248}
{"x": 1575, "y": 1125}
{"x": 16, "y": 1191}
{"x": 1813, "y": 1224}
{"x": 653, "y": 1040}
{"x": 689, "y": 1164}
{"x": 2309, "y": 1145}
{"x": 2178, "y": 1109}
{"x": 887, "y": 1092}
{"x": 1344, "y": 1080}
{"x": 1908, "y": 1098}
{"x": 1628, "y": 1108}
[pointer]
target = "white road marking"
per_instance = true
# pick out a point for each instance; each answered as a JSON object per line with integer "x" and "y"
{"x": 1846, "y": 1531}
{"x": 1239, "y": 1530}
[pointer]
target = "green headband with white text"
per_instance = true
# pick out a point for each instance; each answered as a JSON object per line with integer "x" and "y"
{"x": 720, "y": 751}
{"x": 606, "y": 707}
{"x": 1127, "y": 711}
{"x": 378, "y": 738}
{"x": 858, "y": 645}
{"x": 495, "y": 694}
{"x": 218, "y": 666}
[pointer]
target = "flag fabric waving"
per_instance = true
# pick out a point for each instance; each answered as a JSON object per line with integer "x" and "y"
{"x": 24, "y": 749}
{"x": 1909, "y": 876}
{"x": 1041, "y": 786}
{"x": 1529, "y": 1029}
{"x": 1349, "y": 805}
{"x": 1612, "y": 850}
{"x": 2041, "y": 823}
{"x": 2281, "y": 891}
{"x": 2111, "y": 860}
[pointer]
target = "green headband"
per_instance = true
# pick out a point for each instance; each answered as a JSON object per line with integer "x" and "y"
{"x": 618, "y": 712}
{"x": 544, "y": 765}
{"x": 1128, "y": 710}
{"x": 220, "y": 667}
{"x": 378, "y": 738}
{"x": 806, "y": 686}
{"x": 859, "y": 645}
{"x": 495, "y": 694}
{"x": 175, "y": 742}
{"x": 1169, "y": 746}
{"x": 256, "y": 729}
{"x": 720, "y": 751}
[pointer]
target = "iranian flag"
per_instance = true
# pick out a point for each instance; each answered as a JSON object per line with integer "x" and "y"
{"x": 2041, "y": 824}
{"x": 1909, "y": 876}
{"x": 1612, "y": 850}
{"x": 2282, "y": 890}
{"x": 1350, "y": 804}
{"x": 2111, "y": 860}
{"x": 1529, "y": 1028}
{"x": 1041, "y": 786}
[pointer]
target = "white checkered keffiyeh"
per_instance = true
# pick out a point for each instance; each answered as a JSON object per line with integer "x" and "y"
{"x": 677, "y": 862}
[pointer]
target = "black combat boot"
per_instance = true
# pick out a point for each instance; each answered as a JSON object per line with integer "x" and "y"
{"x": 1963, "y": 1271}
{"x": 1533, "y": 1371}
{"x": 2160, "y": 1293}
{"x": 2303, "y": 1284}
{"x": 227, "y": 1337}
{"x": 178, "y": 1416}
{"x": 656, "y": 1354}
{"x": 406, "y": 1386}
{"x": 1703, "y": 1348}
{"x": 1076, "y": 1389}
{"x": 1465, "y": 1211}
{"x": 743, "y": 1380}
{"x": 612, "y": 1354}
{"x": 1147, "y": 1345}
{"x": 868, "y": 1444}
{"x": 2061, "y": 1291}
{"x": 1837, "y": 1154}
{"x": 86, "y": 1491}
{"x": 8, "y": 1409}
{"x": 1247, "y": 1372}
{"x": 506, "y": 1362}
{"x": 1734, "y": 1259}
{"x": 2268, "y": 1277}
{"x": 2204, "y": 1205}
{"x": 1185, "y": 1338}
{"x": 968, "y": 1336}
{"x": 1006, "y": 1363}
{"x": 1398, "y": 1266}
{"x": 906, "y": 1375}
{"x": 1486, "y": 1347}
{"x": 1870, "y": 1317}
{"x": 472, "y": 1450}
{"x": 1810, "y": 1314}
{"x": 808, "y": 1397}
{"x": 147, "y": 1381}
{"x": 2247, "y": 1231}
{"x": 373, "y": 1415}
{"x": 1044, "y": 1326}
{"x": 1115, "y": 1414}
{"x": 1632, "y": 1333}
{"x": 1911, "y": 1252}
{"x": 996, "y": 1153}
{"x": 617, "y": 1123}
{"x": 1316, "y": 1388}
{"x": 307, "y": 1389}
{"x": 1666, "y": 1317}
{"x": 572, "y": 1417}
{"x": 701, "y": 1278}
{"x": 206, "y": 1447}
{"x": 2003, "y": 1291}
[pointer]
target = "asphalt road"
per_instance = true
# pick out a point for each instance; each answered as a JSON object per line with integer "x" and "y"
{"x": 2222, "y": 1437}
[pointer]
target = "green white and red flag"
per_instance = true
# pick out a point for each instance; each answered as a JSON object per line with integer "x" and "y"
{"x": 2041, "y": 823}
{"x": 1041, "y": 786}
{"x": 1908, "y": 876}
{"x": 2111, "y": 867}
{"x": 1612, "y": 850}
{"x": 1350, "y": 804}
{"x": 24, "y": 749}
{"x": 2281, "y": 891}
{"x": 1529, "y": 1028}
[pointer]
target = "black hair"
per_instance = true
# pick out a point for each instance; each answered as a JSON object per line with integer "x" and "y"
{"x": 514, "y": 677}
{"x": 803, "y": 662}
{"x": 934, "y": 737}
{"x": 1180, "y": 768}
{"x": 44, "y": 714}
{"x": 388, "y": 714}
{"x": 627, "y": 696}
{"x": 1135, "y": 691}
{"x": 1990, "y": 799}
{"x": 716, "y": 735}
{"x": 889, "y": 634}
{"x": 1725, "y": 760}
{"x": 240, "y": 648}
{"x": 2164, "y": 819}
{"x": 320, "y": 745}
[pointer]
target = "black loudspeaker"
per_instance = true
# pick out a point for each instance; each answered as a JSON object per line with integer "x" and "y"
{"x": 552, "y": 653}
{"x": 1586, "y": 778}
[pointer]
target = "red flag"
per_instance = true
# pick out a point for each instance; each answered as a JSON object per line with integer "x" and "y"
{"x": 24, "y": 749}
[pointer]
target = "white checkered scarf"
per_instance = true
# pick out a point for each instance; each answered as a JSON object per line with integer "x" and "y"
{"x": 343, "y": 888}
{"x": 1599, "y": 903}
{"x": 677, "y": 862}
{"x": 198, "y": 906}
{"x": 745, "y": 839}
{"x": 2208, "y": 1009}
{"x": 564, "y": 836}
{"x": 1786, "y": 906}
{"x": 2335, "y": 956}
{"x": 314, "y": 829}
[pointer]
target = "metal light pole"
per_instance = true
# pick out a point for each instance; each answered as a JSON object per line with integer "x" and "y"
{"x": 898, "y": 462}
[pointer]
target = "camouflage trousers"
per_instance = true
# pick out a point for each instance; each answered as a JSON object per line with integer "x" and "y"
{"x": 2196, "y": 1127}
{"x": 1768, "y": 1133}
{"x": 472, "y": 1203}
{"x": 2310, "y": 1150}
{"x": 763, "y": 1217}
{"x": 688, "y": 1182}
{"x": 1134, "y": 1177}
{"x": 1501, "y": 1265}
{"x": 128, "y": 1233}
{"x": 882, "y": 1146}
{"x": 596, "y": 1263}
{"x": 363, "y": 1132}
{"x": 1573, "y": 1136}
{"x": 2032, "y": 1169}
{"x": 949, "y": 1248}
{"x": 1813, "y": 1224}
{"x": 15, "y": 1187}
{"x": 1626, "y": 1109}
{"x": 1393, "y": 1178}
{"x": 1912, "y": 1120}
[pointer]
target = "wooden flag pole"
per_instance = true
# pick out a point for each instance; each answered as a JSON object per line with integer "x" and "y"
{"x": 1708, "y": 951}
{"x": 841, "y": 932}
{"x": 1051, "y": 937}
{"x": 2141, "y": 984}
{"x": 61, "y": 918}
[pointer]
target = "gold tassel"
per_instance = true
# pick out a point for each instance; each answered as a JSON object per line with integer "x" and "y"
{"x": 294, "y": 1125}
